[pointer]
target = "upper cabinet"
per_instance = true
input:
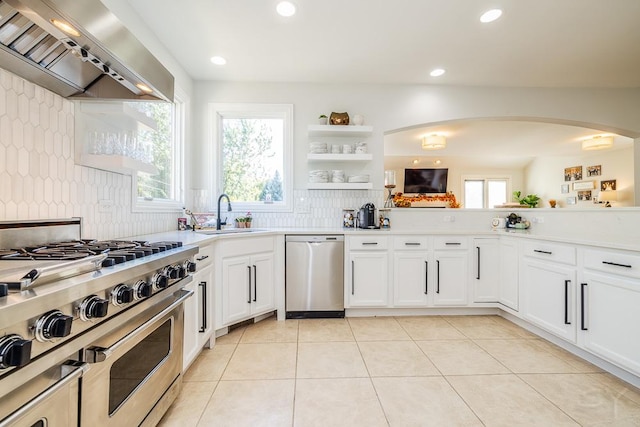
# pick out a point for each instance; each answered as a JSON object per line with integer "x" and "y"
{"x": 113, "y": 136}
{"x": 346, "y": 146}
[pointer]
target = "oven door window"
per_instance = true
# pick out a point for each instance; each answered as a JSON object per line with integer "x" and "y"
{"x": 134, "y": 367}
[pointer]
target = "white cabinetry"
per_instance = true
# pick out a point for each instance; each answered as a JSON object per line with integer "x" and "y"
{"x": 548, "y": 283}
{"x": 367, "y": 272}
{"x": 247, "y": 279}
{"x": 198, "y": 310}
{"x": 609, "y": 299}
{"x": 509, "y": 281}
{"x": 452, "y": 265}
{"x": 339, "y": 135}
{"x": 486, "y": 273}
{"x": 410, "y": 271}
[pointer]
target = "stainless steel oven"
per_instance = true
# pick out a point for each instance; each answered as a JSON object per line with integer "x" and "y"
{"x": 135, "y": 367}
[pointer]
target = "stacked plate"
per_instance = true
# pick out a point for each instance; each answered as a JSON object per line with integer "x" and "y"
{"x": 359, "y": 178}
{"x": 318, "y": 176}
{"x": 337, "y": 176}
{"x": 318, "y": 147}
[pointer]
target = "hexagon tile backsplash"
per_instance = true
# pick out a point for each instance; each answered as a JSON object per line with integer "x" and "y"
{"x": 39, "y": 178}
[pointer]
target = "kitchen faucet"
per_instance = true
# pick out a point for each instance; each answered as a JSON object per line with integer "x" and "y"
{"x": 219, "y": 222}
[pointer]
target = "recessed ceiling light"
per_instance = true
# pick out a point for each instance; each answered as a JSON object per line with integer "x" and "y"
{"x": 437, "y": 162}
{"x": 490, "y": 15}
{"x": 437, "y": 72}
{"x": 416, "y": 161}
{"x": 143, "y": 87}
{"x": 218, "y": 60}
{"x": 286, "y": 8}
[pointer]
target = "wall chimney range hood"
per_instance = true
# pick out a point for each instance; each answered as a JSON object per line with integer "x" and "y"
{"x": 80, "y": 50}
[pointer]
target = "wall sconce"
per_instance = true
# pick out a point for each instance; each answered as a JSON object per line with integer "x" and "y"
{"x": 597, "y": 143}
{"x": 608, "y": 197}
{"x": 434, "y": 142}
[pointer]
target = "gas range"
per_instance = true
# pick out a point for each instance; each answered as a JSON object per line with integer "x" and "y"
{"x": 53, "y": 293}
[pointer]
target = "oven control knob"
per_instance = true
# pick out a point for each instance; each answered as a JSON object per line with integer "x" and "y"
{"x": 14, "y": 351}
{"x": 54, "y": 324}
{"x": 190, "y": 266}
{"x": 170, "y": 271}
{"x": 142, "y": 289}
{"x": 122, "y": 294}
{"x": 160, "y": 280}
{"x": 181, "y": 271}
{"x": 93, "y": 307}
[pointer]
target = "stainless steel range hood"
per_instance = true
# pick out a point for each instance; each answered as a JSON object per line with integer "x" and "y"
{"x": 78, "y": 49}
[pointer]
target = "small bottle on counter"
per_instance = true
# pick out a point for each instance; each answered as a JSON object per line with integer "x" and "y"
{"x": 348, "y": 218}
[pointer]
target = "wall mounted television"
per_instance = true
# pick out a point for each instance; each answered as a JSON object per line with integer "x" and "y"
{"x": 425, "y": 181}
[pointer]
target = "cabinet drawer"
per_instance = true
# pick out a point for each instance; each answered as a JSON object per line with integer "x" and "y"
{"x": 204, "y": 257}
{"x": 410, "y": 243}
{"x": 614, "y": 262}
{"x": 239, "y": 246}
{"x": 369, "y": 242}
{"x": 450, "y": 242}
{"x": 550, "y": 251}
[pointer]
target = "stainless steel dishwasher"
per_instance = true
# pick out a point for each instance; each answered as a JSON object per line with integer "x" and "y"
{"x": 314, "y": 276}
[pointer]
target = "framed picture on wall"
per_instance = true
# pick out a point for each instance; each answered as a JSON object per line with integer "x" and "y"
{"x": 564, "y": 188}
{"x": 574, "y": 173}
{"x": 594, "y": 170}
{"x": 586, "y": 185}
{"x": 584, "y": 195}
{"x": 571, "y": 200}
{"x": 608, "y": 185}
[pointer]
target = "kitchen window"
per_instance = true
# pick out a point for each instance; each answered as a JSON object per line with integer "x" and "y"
{"x": 484, "y": 193}
{"x": 254, "y": 155}
{"x": 162, "y": 191}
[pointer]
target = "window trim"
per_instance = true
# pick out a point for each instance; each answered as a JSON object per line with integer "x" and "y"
{"x": 219, "y": 111}
{"x": 140, "y": 204}
{"x": 485, "y": 178}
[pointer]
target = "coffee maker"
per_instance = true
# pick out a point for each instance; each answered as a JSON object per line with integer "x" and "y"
{"x": 367, "y": 216}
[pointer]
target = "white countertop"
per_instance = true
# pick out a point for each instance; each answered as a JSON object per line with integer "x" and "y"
{"x": 189, "y": 237}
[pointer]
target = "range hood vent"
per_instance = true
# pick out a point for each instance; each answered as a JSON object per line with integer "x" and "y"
{"x": 78, "y": 49}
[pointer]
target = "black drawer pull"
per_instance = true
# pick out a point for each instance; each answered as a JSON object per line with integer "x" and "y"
{"x": 411, "y": 244}
{"x": 369, "y": 243}
{"x": 566, "y": 302}
{"x": 615, "y": 264}
{"x": 202, "y": 257}
{"x": 583, "y": 322}
{"x": 453, "y": 243}
{"x": 543, "y": 252}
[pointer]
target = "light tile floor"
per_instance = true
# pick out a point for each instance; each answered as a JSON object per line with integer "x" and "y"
{"x": 397, "y": 371}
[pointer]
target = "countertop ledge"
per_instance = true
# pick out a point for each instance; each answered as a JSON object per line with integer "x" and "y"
{"x": 189, "y": 237}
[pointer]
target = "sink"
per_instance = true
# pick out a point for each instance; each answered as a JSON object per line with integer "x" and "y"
{"x": 229, "y": 231}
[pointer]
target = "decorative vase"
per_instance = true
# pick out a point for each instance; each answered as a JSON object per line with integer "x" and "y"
{"x": 339, "y": 118}
{"x": 358, "y": 120}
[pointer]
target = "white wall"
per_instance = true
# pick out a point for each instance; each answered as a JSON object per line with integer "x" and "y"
{"x": 545, "y": 175}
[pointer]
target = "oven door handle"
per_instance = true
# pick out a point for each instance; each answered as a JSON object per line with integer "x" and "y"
{"x": 71, "y": 371}
{"x": 100, "y": 354}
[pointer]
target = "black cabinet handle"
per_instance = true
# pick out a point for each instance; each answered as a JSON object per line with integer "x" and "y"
{"x": 566, "y": 302}
{"x": 426, "y": 277}
{"x": 203, "y": 285}
{"x": 353, "y": 282}
{"x": 411, "y": 244}
{"x": 583, "y": 326}
{"x": 615, "y": 264}
{"x": 543, "y": 252}
{"x": 453, "y": 243}
{"x": 255, "y": 283}
{"x": 478, "y": 276}
{"x": 369, "y": 243}
{"x": 202, "y": 258}
{"x": 249, "y": 268}
{"x": 437, "y": 276}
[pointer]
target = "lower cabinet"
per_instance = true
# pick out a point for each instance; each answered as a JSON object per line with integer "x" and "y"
{"x": 247, "y": 287}
{"x": 198, "y": 315}
{"x": 548, "y": 297}
{"x": 410, "y": 279}
{"x": 485, "y": 277}
{"x": 608, "y": 322}
{"x": 368, "y": 284}
{"x": 451, "y": 278}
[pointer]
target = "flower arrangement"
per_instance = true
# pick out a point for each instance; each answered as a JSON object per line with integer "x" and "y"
{"x": 244, "y": 221}
{"x": 401, "y": 201}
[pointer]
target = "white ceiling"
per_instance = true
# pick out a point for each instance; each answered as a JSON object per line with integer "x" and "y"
{"x": 552, "y": 43}
{"x": 491, "y": 143}
{"x": 536, "y": 43}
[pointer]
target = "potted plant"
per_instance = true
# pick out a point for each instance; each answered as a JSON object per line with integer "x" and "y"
{"x": 531, "y": 200}
{"x": 244, "y": 221}
{"x": 322, "y": 119}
